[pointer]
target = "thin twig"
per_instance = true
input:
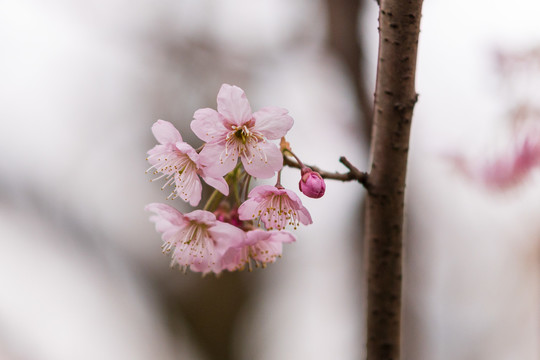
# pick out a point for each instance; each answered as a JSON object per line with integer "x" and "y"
{"x": 361, "y": 176}
{"x": 353, "y": 175}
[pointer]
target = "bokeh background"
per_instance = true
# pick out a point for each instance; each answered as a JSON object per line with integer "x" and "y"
{"x": 81, "y": 271}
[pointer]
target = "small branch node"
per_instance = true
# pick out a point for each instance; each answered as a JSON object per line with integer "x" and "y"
{"x": 361, "y": 176}
{"x": 353, "y": 175}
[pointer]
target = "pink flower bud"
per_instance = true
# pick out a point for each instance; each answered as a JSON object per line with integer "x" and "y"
{"x": 312, "y": 183}
{"x": 225, "y": 214}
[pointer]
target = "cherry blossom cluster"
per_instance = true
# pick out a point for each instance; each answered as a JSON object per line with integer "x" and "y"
{"x": 238, "y": 227}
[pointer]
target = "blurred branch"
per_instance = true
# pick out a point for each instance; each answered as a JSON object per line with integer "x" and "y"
{"x": 343, "y": 19}
{"x": 209, "y": 306}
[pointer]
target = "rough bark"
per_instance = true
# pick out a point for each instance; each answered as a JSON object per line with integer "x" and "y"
{"x": 395, "y": 97}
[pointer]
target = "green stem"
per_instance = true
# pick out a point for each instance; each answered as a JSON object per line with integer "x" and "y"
{"x": 246, "y": 186}
{"x": 296, "y": 157}
{"x": 213, "y": 201}
{"x": 234, "y": 186}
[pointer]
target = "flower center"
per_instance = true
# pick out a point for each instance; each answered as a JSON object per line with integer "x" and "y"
{"x": 179, "y": 171}
{"x": 240, "y": 139}
{"x": 196, "y": 233}
{"x": 242, "y": 134}
{"x": 195, "y": 248}
{"x": 278, "y": 212}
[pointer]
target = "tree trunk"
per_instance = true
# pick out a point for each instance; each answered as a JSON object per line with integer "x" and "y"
{"x": 395, "y": 97}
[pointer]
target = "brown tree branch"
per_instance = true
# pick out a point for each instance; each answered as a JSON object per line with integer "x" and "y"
{"x": 395, "y": 97}
{"x": 353, "y": 175}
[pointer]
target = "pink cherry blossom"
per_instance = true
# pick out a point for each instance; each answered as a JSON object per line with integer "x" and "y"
{"x": 312, "y": 184}
{"x": 276, "y": 207}
{"x": 506, "y": 171}
{"x": 512, "y": 169}
{"x": 234, "y": 131}
{"x": 179, "y": 163}
{"x": 262, "y": 247}
{"x": 197, "y": 240}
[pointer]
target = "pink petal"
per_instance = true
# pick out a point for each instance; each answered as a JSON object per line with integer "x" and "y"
{"x": 201, "y": 217}
{"x": 262, "y": 191}
{"x": 167, "y": 212}
{"x": 506, "y": 171}
{"x": 187, "y": 149}
{"x": 304, "y": 216}
{"x": 265, "y": 161}
{"x": 160, "y": 151}
{"x": 272, "y": 122}
{"x": 282, "y": 237}
{"x": 513, "y": 168}
{"x": 234, "y": 258}
{"x": 267, "y": 245}
{"x": 270, "y": 251}
{"x": 226, "y": 236}
{"x": 157, "y": 149}
{"x": 168, "y": 221}
{"x": 295, "y": 198}
{"x": 165, "y": 132}
{"x": 208, "y": 125}
{"x": 210, "y": 263}
{"x": 209, "y": 259}
{"x": 254, "y": 236}
{"x": 217, "y": 183}
{"x": 194, "y": 192}
{"x": 233, "y": 105}
{"x": 248, "y": 209}
{"x": 215, "y": 160}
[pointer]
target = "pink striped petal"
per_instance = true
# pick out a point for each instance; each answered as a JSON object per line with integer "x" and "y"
{"x": 208, "y": 125}
{"x": 264, "y": 160}
{"x": 233, "y": 104}
{"x": 165, "y": 132}
{"x": 272, "y": 122}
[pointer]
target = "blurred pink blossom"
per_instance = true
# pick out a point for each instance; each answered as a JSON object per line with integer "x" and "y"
{"x": 508, "y": 170}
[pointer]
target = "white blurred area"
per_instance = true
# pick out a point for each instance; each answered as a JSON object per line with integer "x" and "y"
{"x": 82, "y": 82}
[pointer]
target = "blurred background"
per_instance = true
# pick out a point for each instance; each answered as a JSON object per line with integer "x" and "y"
{"x": 82, "y": 274}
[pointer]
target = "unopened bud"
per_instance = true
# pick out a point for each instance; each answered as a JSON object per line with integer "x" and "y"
{"x": 312, "y": 184}
{"x": 225, "y": 214}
